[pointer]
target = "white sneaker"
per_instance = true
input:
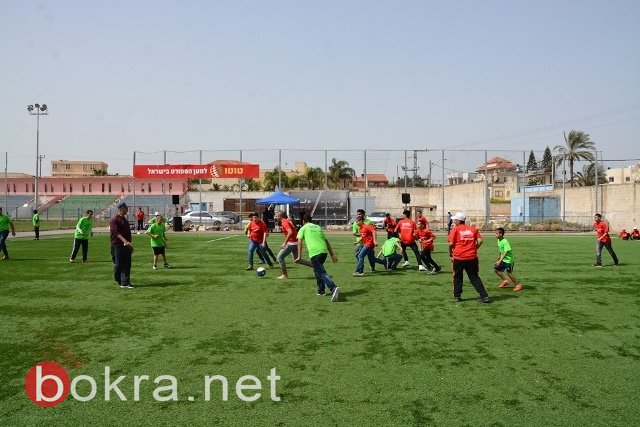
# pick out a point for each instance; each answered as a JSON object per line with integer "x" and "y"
{"x": 335, "y": 294}
{"x": 406, "y": 264}
{"x": 154, "y": 267}
{"x": 421, "y": 268}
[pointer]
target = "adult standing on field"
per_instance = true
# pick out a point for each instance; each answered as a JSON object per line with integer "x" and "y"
{"x": 140, "y": 219}
{"x": 5, "y": 224}
{"x": 464, "y": 242}
{"x": 318, "y": 247}
{"x": 84, "y": 230}
{"x": 604, "y": 240}
{"x": 121, "y": 248}
{"x": 35, "y": 220}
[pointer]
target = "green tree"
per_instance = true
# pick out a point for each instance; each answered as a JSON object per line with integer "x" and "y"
{"x": 314, "y": 178}
{"x": 547, "y": 161}
{"x": 272, "y": 179}
{"x": 99, "y": 173}
{"x": 587, "y": 178}
{"x": 577, "y": 147}
{"x": 532, "y": 164}
{"x": 340, "y": 174}
{"x": 251, "y": 184}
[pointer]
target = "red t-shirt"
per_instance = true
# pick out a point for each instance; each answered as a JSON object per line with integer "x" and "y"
{"x": 406, "y": 228}
{"x": 426, "y": 237}
{"x": 140, "y": 215}
{"x": 366, "y": 234}
{"x": 463, "y": 238}
{"x": 257, "y": 230}
{"x": 286, "y": 225}
{"x": 635, "y": 233}
{"x": 602, "y": 229}
{"x": 423, "y": 219}
{"x": 389, "y": 223}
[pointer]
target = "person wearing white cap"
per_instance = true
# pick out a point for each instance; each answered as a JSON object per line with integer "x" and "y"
{"x": 635, "y": 234}
{"x": 464, "y": 241}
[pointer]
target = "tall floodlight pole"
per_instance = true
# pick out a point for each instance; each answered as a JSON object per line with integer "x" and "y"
{"x": 37, "y": 110}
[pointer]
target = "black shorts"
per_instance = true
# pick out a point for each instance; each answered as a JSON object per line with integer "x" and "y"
{"x": 158, "y": 250}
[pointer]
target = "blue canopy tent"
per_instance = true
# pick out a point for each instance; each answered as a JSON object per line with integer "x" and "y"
{"x": 278, "y": 198}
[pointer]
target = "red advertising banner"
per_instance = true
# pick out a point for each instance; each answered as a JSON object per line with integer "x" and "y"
{"x": 243, "y": 170}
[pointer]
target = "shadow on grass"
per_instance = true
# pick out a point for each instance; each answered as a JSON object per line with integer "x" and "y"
{"x": 344, "y": 295}
{"x": 159, "y": 285}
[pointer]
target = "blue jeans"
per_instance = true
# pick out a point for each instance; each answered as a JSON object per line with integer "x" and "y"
{"x": 365, "y": 252}
{"x": 252, "y": 248}
{"x": 3, "y": 242}
{"x": 390, "y": 262}
{"x": 322, "y": 277}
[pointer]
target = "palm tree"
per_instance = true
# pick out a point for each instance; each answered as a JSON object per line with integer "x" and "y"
{"x": 577, "y": 147}
{"x": 340, "y": 173}
{"x": 587, "y": 178}
{"x": 272, "y": 179}
{"x": 314, "y": 178}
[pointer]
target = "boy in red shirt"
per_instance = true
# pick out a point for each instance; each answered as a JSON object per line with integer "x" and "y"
{"x": 624, "y": 235}
{"x": 426, "y": 238}
{"x": 369, "y": 239}
{"x": 422, "y": 219}
{"x": 290, "y": 244}
{"x": 406, "y": 229}
{"x": 464, "y": 242}
{"x": 602, "y": 230}
{"x": 389, "y": 224}
{"x": 257, "y": 232}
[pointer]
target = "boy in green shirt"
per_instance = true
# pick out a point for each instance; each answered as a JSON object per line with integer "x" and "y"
{"x": 318, "y": 247}
{"x": 389, "y": 251}
{"x": 5, "y": 224}
{"x": 505, "y": 262}
{"x": 35, "y": 220}
{"x": 158, "y": 241}
{"x": 84, "y": 230}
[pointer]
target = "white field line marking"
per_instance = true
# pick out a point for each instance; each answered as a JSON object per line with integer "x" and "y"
{"x": 223, "y": 238}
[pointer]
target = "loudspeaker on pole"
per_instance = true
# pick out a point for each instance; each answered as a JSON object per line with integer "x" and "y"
{"x": 406, "y": 198}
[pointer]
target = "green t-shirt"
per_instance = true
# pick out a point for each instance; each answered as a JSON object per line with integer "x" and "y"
{"x": 314, "y": 238}
{"x": 4, "y": 222}
{"x": 83, "y": 228}
{"x": 158, "y": 230}
{"x": 35, "y": 220}
{"x": 504, "y": 246}
{"x": 389, "y": 247}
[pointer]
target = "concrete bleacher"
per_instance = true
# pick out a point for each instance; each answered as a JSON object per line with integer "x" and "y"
{"x": 75, "y": 206}
{"x": 15, "y": 206}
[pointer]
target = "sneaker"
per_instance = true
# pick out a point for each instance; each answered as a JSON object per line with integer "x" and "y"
{"x": 70, "y": 260}
{"x": 320, "y": 294}
{"x": 457, "y": 299}
{"x": 126, "y": 286}
{"x": 335, "y": 294}
{"x": 504, "y": 284}
{"x": 597, "y": 265}
{"x": 421, "y": 268}
{"x": 167, "y": 265}
{"x": 518, "y": 288}
{"x": 406, "y": 264}
{"x": 356, "y": 274}
{"x": 154, "y": 267}
{"x": 249, "y": 268}
{"x": 282, "y": 277}
{"x": 484, "y": 300}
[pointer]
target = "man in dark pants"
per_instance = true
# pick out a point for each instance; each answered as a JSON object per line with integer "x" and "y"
{"x": 121, "y": 248}
{"x": 464, "y": 242}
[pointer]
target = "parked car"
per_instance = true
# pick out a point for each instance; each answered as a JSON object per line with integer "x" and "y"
{"x": 376, "y": 218}
{"x": 203, "y": 217}
{"x": 235, "y": 218}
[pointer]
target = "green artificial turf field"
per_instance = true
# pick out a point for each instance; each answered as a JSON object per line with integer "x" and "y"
{"x": 395, "y": 350}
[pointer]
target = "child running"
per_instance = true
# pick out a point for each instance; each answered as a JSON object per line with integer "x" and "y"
{"x": 505, "y": 262}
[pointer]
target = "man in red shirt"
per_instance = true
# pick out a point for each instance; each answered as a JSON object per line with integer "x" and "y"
{"x": 389, "y": 224}
{"x": 602, "y": 230}
{"x": 369, "y": 240}
{"x": 257, "y": 231}
{"x": 635, "y": 234}
{"x": 464, "y": 242}
{"x": 406, "y": 229}
{"x": 140, "y": 219}
{"x": 290, "y": 243}
{"x": 624, "y": 235}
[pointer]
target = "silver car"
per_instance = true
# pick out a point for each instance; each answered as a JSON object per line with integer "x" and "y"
{"x": 203, "y": 217}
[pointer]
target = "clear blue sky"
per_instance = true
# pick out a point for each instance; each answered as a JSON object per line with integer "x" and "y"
{"x": 120, "y": 76}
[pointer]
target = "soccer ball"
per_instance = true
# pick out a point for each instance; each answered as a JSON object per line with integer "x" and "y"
{"x": 261, "y": 271}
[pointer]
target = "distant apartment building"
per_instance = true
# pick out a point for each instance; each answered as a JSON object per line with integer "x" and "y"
{"x": 372, "y": 180}
{"x": 71, "y": 168}
{"x": 623, "y": 175}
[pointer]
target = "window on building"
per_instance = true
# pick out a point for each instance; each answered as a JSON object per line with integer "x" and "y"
{"x": 628, "y": 179}
{"x": 611, "y": 179}
{"x": 89, "y": 188}
{"x": 170, "y": 187}
{"x": 52, "y": 190}
{"x": 103, "y": 187}
{"x": 83, "y": 190}
{"x": 149, "y": 187}
{"x": 46, "y": 188}
{"x": 67, "y": 167}
{"x": 109, "y": 187}
{"x": 14, "y": 188}
{"x": 142, "y": 187}
{"x": 70, "y": 188}
{"x": 64, "y": 188}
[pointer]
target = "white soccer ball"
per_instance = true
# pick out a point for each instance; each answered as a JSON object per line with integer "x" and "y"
{"x": 261, "y": 271}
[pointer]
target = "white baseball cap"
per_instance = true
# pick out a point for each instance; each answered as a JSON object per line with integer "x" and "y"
{"x": 460, "y": 216}
{"x": 156, "y": 214}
